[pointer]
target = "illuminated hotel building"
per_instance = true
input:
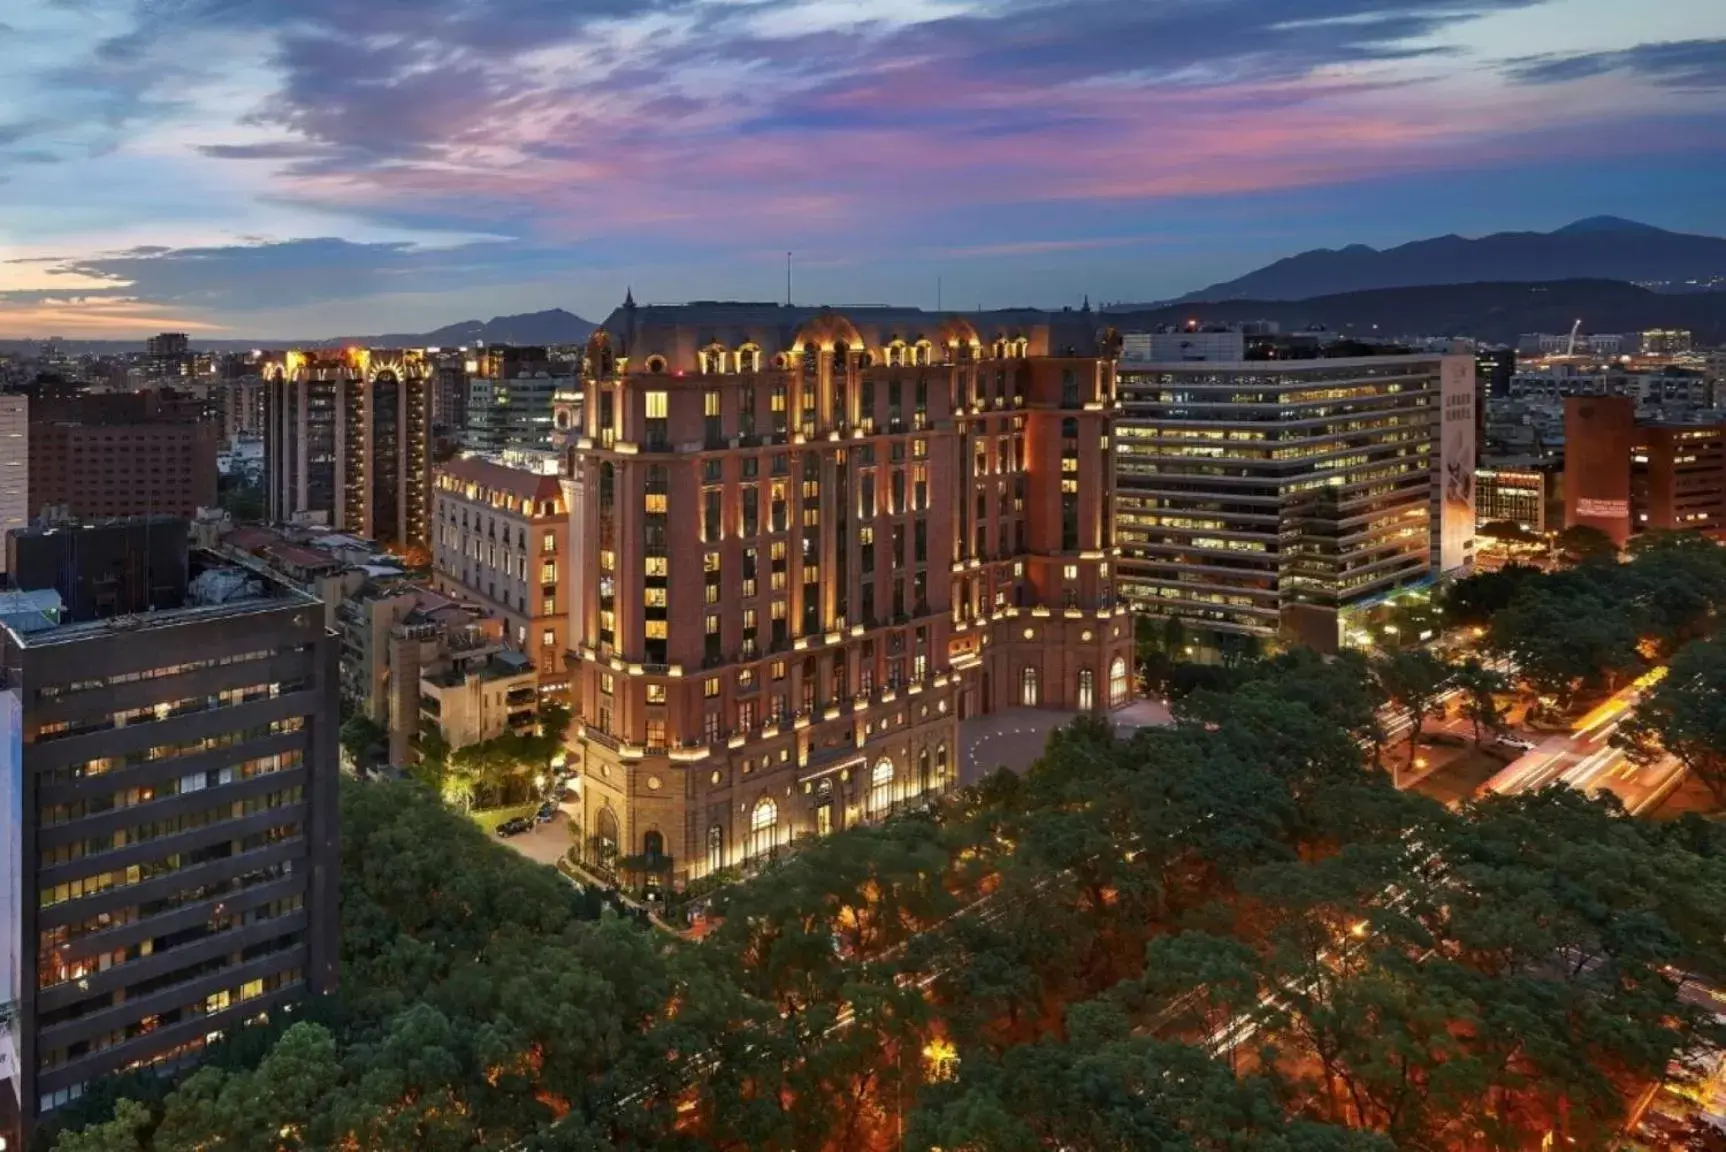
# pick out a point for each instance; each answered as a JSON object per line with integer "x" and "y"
{"x": 347, "y": 439}
{"x": 1266, "y": 498}
{"x": 815, "y": 541}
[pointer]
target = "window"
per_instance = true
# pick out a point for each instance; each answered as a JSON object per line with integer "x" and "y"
{"x": 1087, "y": 690}
{"x": 881, "y": 787}
{"x": 656, "y": 693}
{"x": 1118, "y": 687}
{"x": 710, "y": 687}
{"x": 763, "y": 826}
{"x": 1069, "y": 571}
{"x": 548, "y": 639}
{"x": 548, "y": 572}
{"x": 1028, "y": 687}
{"x": 548, "y": 543}
{"x": 656, "y": 406}
{"x": 715, "y": 848}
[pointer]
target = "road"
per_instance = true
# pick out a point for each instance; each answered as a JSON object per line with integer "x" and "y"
{"x": 1585, "y": 759}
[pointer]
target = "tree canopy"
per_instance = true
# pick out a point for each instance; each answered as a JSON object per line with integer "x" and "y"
{"x": 1228, "y": 934}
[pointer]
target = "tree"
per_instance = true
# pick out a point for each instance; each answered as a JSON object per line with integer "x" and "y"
{"x": 1476, "y": 599}
{"x": 1481, "y": 687}
{"x": 1564, "y": 636}
{"x": 124, "y": 1133}
{"x": 1581, "y": 543}
{"x": 1413, "y": 679}
{"x": 1685, "y": 716}
{"x": 360, "y": 736}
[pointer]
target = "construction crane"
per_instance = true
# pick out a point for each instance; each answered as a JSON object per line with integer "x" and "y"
{"x": 1574, "y": 329}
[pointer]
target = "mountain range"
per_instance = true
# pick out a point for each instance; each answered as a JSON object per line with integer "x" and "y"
{"x": 1598, "y": 248}
{"x": 553, "y": 326}
{"x": 1494, "y": 312}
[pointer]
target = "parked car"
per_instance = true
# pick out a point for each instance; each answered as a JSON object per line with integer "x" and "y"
{"x": 514, "y": 826}
{"x": 1515, "y": 742}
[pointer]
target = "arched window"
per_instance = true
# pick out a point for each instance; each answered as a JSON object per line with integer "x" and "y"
{"x": 715, "y": 848}
{"x": 941, "y": 763}
{"x": 713, "y": 359}
{"x": 1028, "y": 687}
{"x": 923, "y": 770}
{"x": 763, "y": 828}
{"x": 749, "y": 358}
{"x": 1087, "y": 690}
{"x": 1118, "y": 682}
{"x": 605, "y": 837}
{"x": 923, "y": 354}
{"x": 653, "y": 846}
{"x": 881, "y": 787}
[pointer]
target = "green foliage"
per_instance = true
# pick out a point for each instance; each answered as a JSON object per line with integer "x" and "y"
{"x": 1685, "y": 716}
{"x": 361, "y": 736}
{"x": 1228, "y": 934}
{"x": 1476, "y": 599}
{"x": 1579, "y": 543}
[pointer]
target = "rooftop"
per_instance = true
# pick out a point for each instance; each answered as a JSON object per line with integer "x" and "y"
{"x": 517, "y": 482}
{"x": 219, "y": 590}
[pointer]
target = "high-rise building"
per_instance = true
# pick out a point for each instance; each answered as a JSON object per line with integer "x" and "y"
{"x": 812, "y": 541}
{"x": 347, "y": 439}
{"x": 510, "y": 398}
{"x": 168, "y": 831}
{"x": 1270, "y": 497}
{"x": 168, "y": 356}
{"x": 501, "y": 537}
{"x": 104, "y": 455}
{"x": 14, "y": 465}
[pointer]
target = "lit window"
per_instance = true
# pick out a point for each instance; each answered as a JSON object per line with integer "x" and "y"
{"x": 656, "y": 406}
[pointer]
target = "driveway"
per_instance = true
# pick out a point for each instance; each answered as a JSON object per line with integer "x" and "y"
{"x": 548, "y": 843}
{"x": 1015, "y": 737}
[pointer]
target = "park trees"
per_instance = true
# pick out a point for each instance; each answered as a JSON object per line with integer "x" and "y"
{"x": 1685, "y": 716}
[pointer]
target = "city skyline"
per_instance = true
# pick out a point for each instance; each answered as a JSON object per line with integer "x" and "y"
{"x": 280, "y": 169}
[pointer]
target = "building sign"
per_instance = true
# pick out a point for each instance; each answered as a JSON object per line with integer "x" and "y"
{"x": 1456, "y": 464}
{"x": 1610, "y": 509}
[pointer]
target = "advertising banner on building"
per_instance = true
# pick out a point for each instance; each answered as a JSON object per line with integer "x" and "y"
{"x": 1456, "y": 464}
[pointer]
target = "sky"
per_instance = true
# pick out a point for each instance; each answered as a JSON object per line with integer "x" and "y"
{"x": 318, "y": 168}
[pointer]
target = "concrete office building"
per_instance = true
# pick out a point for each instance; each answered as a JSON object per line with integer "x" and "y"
{"x": 347, "y": 440}
{"x": 819, "y": 539}
{"x": 511, "y": 393}
{"x": 1272, "y": 497}
{"x": 14, "y": 465}
{"x": 1625, "y": 476}
{"x": 168, "y": 826}
{"x": 501, "y": 538}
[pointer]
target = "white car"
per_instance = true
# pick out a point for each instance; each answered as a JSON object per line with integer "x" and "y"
{"x": 1516, "y": 742}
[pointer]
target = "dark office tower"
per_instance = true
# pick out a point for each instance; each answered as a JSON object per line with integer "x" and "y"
{"x": 347, "y": 438}
{"x": 169, "y": 830}
{"x": 169, "y": 355}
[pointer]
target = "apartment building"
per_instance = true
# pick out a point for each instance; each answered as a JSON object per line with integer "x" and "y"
{"x": 501, "y": 539}
{"x": 1270, "y": 497}
{"x": 169, "y": 825}
{"x": 347, "y": 440}
{"x": 819, "y": 539}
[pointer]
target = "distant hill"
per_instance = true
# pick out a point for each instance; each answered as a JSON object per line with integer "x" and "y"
{"x": 554, "y": 326}
{"x": 1599, "y": 248}
{"x": 1495, "y": 312}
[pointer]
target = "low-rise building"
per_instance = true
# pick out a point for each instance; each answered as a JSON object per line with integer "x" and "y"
{"x": 478, "y": 695}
